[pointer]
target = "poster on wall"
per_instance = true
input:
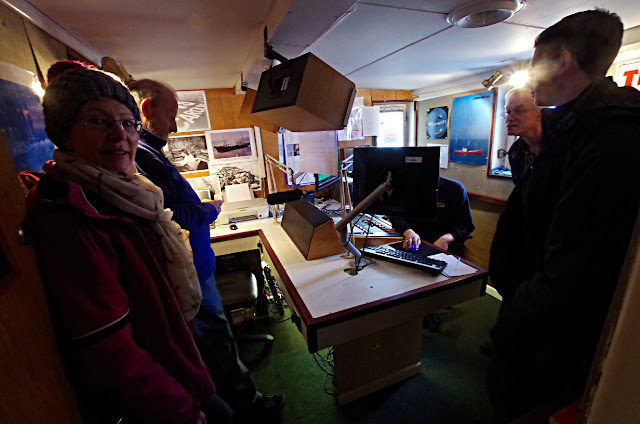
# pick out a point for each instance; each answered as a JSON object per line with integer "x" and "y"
{"x": 628, "y": 73}
{"x": 188, "y": 153}
{"x": 21, "y": 119}
{"x": 437, "y": 121}
{"x": 193, "y": 114}
{"x": 470, "y": 128}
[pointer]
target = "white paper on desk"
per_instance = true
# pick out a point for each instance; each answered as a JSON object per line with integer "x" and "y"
{"x": 454, "y": 268}
{"x": 237, "y": 192}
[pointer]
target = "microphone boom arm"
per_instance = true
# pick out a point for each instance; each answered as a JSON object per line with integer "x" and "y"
{"x": 341, "y": 226}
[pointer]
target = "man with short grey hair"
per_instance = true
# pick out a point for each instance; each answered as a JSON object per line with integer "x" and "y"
{"x": 523, "y": 120}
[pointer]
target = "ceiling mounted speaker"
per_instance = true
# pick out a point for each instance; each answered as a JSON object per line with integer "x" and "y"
{"x": 482, "y": 13}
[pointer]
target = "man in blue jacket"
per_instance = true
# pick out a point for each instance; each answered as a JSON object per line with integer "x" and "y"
{"x": 561, "y": 241}
{"x": 158, "y": 109}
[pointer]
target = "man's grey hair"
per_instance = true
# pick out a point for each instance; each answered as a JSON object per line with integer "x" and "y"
{"x": 519, "y": 91}
{"x": 149, "y": 89}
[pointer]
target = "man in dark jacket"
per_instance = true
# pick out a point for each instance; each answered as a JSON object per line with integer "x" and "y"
{"x": 449, "y": 228}
{"x": 562, "y": 239}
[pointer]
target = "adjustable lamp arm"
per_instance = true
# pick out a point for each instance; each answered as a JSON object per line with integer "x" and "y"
{"x": 272, "y": 162}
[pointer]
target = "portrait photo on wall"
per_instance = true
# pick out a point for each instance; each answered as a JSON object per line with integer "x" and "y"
{"x": 470, "y": 129}
{"x": 234, "y": 145}
{"x": 437, "y": 121}
{"x": 188, "y": 153}
{"x": 193, "y": 114}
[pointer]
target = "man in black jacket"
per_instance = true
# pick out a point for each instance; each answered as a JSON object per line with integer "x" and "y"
{"x": 448, "y": 229}
{"x": 562, "y": 239}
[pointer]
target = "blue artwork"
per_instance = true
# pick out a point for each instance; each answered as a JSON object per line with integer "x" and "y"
{"x": 22, "y": 122}
{"x": 437, "y": 120}
{"x": 470, "y": 129}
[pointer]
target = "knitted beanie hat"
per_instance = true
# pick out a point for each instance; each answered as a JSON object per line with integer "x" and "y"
{"x": 70, "y": 90}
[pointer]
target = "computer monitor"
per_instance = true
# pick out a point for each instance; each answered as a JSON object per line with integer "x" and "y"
{"x": 414, "y": 173}
{"x": 323, "y": 181}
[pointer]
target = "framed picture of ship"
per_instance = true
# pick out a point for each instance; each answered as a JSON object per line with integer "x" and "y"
{"x": 470, "y": 128}
{"x": 234, "y": 145}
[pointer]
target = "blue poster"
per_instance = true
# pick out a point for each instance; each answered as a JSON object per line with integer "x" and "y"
{"x": 22, "y": 123}
{"x": 470, "y": 128}
{"x": 437, "y": 120}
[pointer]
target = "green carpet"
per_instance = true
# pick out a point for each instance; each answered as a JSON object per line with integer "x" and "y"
{"x": 450, "y": 389}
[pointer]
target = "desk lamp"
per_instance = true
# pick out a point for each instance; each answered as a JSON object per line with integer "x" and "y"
{"x": 274, "y": 198}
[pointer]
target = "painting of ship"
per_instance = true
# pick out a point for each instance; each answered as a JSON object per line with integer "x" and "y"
{"x": 226, "y": 147}
{"x": 465, "y": 151}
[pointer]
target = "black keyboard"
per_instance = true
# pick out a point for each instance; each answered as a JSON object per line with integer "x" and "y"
{"x": 415, "y": 259}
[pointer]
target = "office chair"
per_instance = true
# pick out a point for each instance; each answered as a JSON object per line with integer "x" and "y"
{"x": 239, "y": 295}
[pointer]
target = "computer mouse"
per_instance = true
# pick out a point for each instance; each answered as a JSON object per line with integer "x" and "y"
{"x": 233, "y": 226}
{"x": 413, "y": 247}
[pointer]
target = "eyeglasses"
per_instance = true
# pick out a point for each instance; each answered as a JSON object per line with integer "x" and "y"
{"x": 99, "y": 123}
{"x": 519, "y": 111}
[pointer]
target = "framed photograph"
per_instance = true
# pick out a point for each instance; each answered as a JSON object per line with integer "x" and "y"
{"x": 188, "y": 153}
{"x": 234, "y": 145}
{"x": 193, "y": 114}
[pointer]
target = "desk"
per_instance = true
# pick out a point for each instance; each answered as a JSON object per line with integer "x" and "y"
{"x": 373, "y": 319}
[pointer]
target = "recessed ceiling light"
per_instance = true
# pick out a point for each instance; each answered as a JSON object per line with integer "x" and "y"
{"x": 478, "y": 14}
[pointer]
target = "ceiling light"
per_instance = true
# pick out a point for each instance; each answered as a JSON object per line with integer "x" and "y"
{"x": 519, "y": 79}
{"x": 490, "y": 82}
{"x": 483, "y": 13}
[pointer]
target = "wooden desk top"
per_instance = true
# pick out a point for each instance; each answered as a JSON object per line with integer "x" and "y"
{"x": 325, "y": 296}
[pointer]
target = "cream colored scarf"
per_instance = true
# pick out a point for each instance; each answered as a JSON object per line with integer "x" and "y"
{"x": 135, "y": 194}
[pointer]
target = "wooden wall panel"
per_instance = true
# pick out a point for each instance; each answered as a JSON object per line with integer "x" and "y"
{"x": 33, "y": 385}
{"x": 45, "y": 48}
{"x": 14, "y": 43}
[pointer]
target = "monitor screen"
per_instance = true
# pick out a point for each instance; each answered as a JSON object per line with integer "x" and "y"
{"x": 414, "y": 178}
{"x": 324, "y": 180}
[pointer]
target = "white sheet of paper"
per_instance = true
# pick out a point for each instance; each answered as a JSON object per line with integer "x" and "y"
{"x": 238, "y": 192}
{"x": 444, "y": 154}
{"x": 454, "y": 268}
{"x": 371, "y": 120}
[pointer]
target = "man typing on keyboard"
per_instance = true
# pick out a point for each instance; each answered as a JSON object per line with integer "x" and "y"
{"x": 450, "y": 227}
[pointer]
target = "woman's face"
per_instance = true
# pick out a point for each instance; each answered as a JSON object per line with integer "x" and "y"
{"x": 105, "y": 134}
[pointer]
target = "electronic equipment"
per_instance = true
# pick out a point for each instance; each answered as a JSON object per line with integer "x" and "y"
{"x": 310, "y": 230}
{"x": 304, "y": 94}
{"x": 419, "y": 259}
{"x": 243, "y": 210}
{"x": 323, "y": 181}
{"x": 374, "y": 225}
{"x": 412, "y": 173}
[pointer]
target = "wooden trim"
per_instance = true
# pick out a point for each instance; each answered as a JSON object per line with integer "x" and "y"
{"x": 383, "y": 102}
{"x": 487, "y": 199}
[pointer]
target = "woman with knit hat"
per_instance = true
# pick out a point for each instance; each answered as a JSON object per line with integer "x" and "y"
{"x": 118, "y": 271}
